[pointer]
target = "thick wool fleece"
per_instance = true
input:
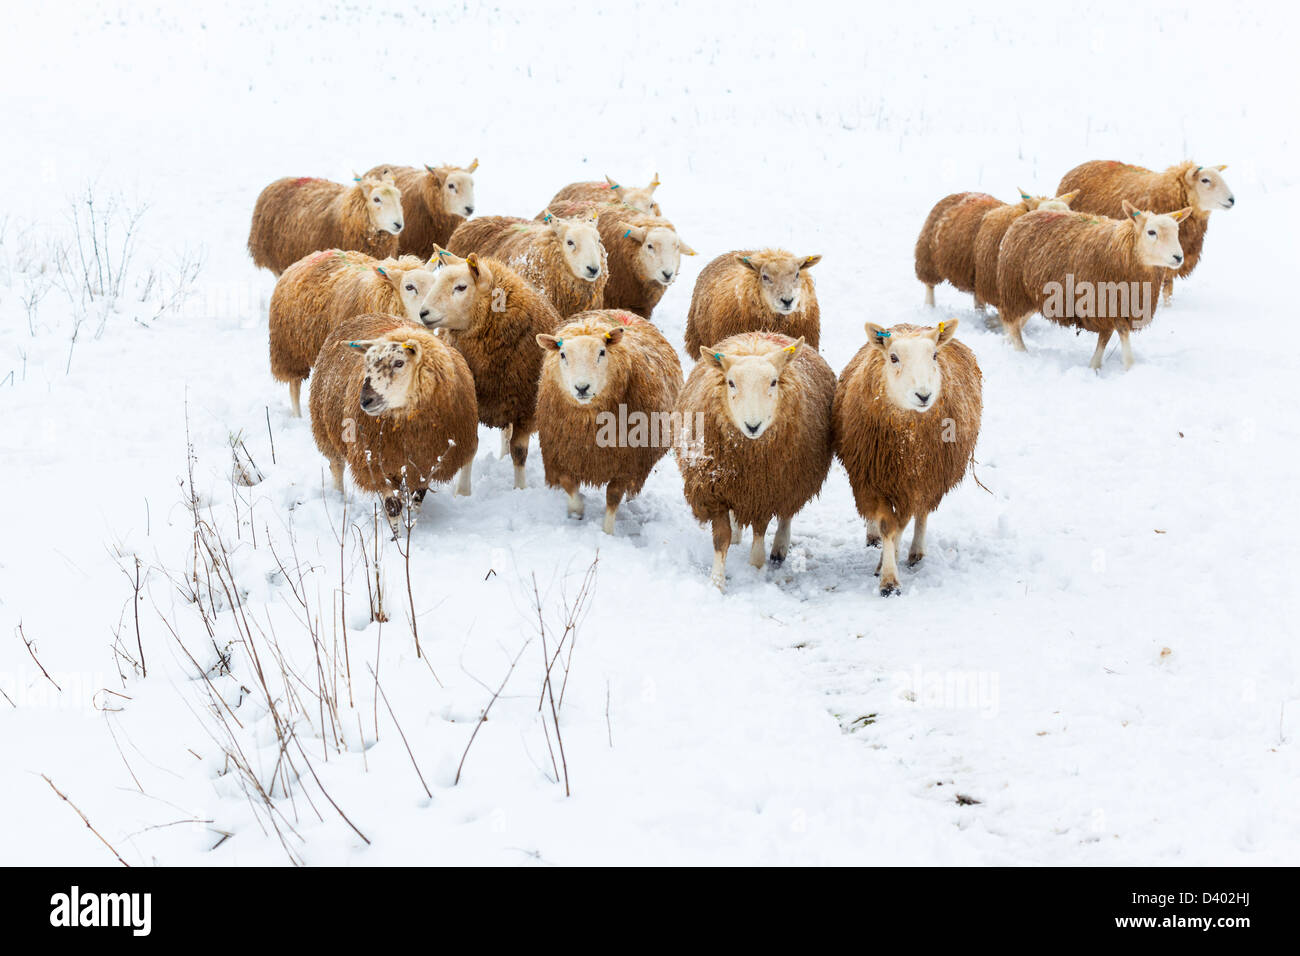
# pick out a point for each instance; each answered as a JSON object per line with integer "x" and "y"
{"x": 757, "y": 479}
{"x": 533, "y": 250}
{"x": 728, "y": 299}
{"x": 427, "y": 441}
{"x": 901, "y": 463}
{"x": 644, "y": 376}
{"x": 295, "y": 217}
{"x": 426, "y": 222}
{"x": 946, "y": 247}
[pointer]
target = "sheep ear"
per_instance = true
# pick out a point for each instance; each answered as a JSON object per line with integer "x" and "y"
{"x": 412, "y": 348}
{"x": 550, "y": 342}
{"x": 471, "y": 260}
{"x": 360, "y": 344}
{"x": 1130, "y": 210}
{"x": 684, "y": 249}
{"x": 612, "y": 184}
{"x": 944, "y": 333}
{"x": 1023, "y": 195}
{"x": 783, "y": 356}
{"x": 709, "y": 355}
{"x": 747, "y": 263}
{"x": 635, "y": 233}
{"x": 809, "y": 262}
{"x": 441, "y": 257}
{"x": 1069, "y": 197}
{"x": 877, "y": 336}
{"x": 614, "y": 336}
{"x": 654, "y": 184}
{"x": 1181, "y": 214}
{"x": 472, "y": 166}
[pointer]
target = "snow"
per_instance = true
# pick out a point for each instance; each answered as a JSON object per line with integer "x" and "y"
{"x": 1099, "y": 648}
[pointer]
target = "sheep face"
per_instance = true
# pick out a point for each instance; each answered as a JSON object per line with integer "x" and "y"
{"x": 752, "y": 386}
{"x": 1208, "y": 190}
{"x": 661, "y": 252}
{"x": 458, "y": 191}
{"x": 642, "y": 200}
{"x": 413, "y": 287}
{"x": 384, "y": 203}
{"x": 778, "y": 279}
{"x": 1157, "y": 236}
{"x": 584, "y": 363}
{"x": 913, "y": 378}
{"x": 389, "y": 373}
{"x": 579, "y": 244}
{"x": 454, "y": 293}
{"x": 1059, "y": 203}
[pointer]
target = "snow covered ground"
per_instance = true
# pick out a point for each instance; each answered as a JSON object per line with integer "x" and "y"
{"x": 1096, "y": 663}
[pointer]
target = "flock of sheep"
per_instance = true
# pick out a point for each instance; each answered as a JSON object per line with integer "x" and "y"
{"x": 417, "y": 324}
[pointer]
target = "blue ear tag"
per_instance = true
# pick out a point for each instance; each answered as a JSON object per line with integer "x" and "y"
{"x": 717, "y": 356}
{"x": 559, "y": 343}
{"x": 628, "y": 234}
{"x": 882, "y": 334}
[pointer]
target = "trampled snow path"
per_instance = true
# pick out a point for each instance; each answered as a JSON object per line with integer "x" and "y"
{"x": 1100, "y": 649}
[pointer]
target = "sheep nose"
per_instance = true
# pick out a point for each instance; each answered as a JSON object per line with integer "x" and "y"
{"x": 787, "y": 302}
{"x": 424, "y": 314}
{"x": 1178, "y": 257}
{"x": 1232, "y": 200}
{"x": 668, "y": 276}
{"x": 397, "y": 225}
{"x": 582, "y": 390}
{"x": 753, "y": 429}
{"x": 469, "y": 210}
{"x": 923, "y": 397}
{"x": 593, "y": 271}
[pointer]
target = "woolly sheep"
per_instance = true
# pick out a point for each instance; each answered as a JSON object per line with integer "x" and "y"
{"x": 1089, "y": 273}
{"x": 768, "y": 290}
{"x": 435, "y": 200}
{"x": 563, "y": 258}
{"x": 318, "y": 292}
{"x": 609, "y": 191}
{"x": 762, "y": 402}
{"x": 1105, "y": 185}
{"x": 492, "y": 317}
{"x": 904, "y": 424}
{"x": 946, "y": 247}
{"x": 644, "y": 253}
{"x": 993, "y": 227}
{"x": 609, "y": 383}
{"x": 295, "y": 217}
{"x": 396, "y": 406}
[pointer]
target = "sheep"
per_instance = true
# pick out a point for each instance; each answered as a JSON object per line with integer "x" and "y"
{"x": 319, "y": 291}
{"x": 644, "y": 253}
{"x": 1105, "y": 185}
{"x": 904, "y": 424}
{"x": 609, "y": 191}
{"x": 945, "y": 249}
{"x": 768, "y": 290}
{"x": 609, "y": 383}
{"x": 435, "y": 200}
{"x": 1089, "y": 273}
{"x": 563, "y": 258}
{"x": 396, "y": 406}
{"x": 993, "y": 226}
{"x": 492, "y": 317}
{"x": 752, "y": 437}
{"x": 295, "y": 217}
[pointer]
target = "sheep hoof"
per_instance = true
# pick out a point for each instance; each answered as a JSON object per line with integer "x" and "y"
{"x": 776, "y": 558}
{"x": 914, "y": 559}
{"x": 889, "y": 590}
{"x": 873, "y": 541}
{"x": 719, "y": 581}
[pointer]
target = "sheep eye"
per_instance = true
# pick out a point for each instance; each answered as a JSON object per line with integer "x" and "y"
{"x": 773, "y": 383}
{"x": 451, "y": 186}
{"x": 1151, "y": 232}
{"x": 935, "y": 356}
{"x": 731, "y": 383}
{"x": 563, "y": 356}
{"x": 570, "y": 242}
{"x": 410, "y": 288}
{"x": 376, "y": 199}
{"x": 461, "y": 287}
{"x": 766, "y": 277}
{"x": 893, "y": 358}
{"x": 398, "y": 364}
{"x": 1206, "y": 181}
{"x": 650, "y": 246}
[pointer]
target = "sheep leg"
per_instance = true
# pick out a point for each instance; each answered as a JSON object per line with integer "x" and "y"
{"x": 873, "y": 533}
{"x": 613, "y": 495}
{"x": 1102, "y": 338}
{"x": 890, "y": 530}
{"x": 518, "y": 444}
{"x": 757, "y": 551}
{"x": 1167, "y": 287}
{"x": 1013, "y": 325}
{"x": 917, "y": 551}
{"x": 978, "y": 304}
{"x": 781, "y": 543}
{"x": 1126, "y": 347}
{"x": 736, "y": 529}
{"x": 506, "y": 444}
{"x": 416, "y": 502}
{"x": 295, "y": 396}
{"x": 721, "y": 542}
{"x": 393, "y": 509}
{"x": 577, "y": 507}
{"x": 464, "y": 478}
{"x": 929, "y": 295}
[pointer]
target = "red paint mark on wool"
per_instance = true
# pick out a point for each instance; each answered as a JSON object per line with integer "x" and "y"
{"x": 778, "y": 338}
{"x": 627, "y": 318}
{"x": 303, "y": 180}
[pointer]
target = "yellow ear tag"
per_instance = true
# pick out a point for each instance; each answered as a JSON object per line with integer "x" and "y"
{"x": 941, "y": 328}
{"x": 791, "y": 348}
{"x": 410, "y": 345}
